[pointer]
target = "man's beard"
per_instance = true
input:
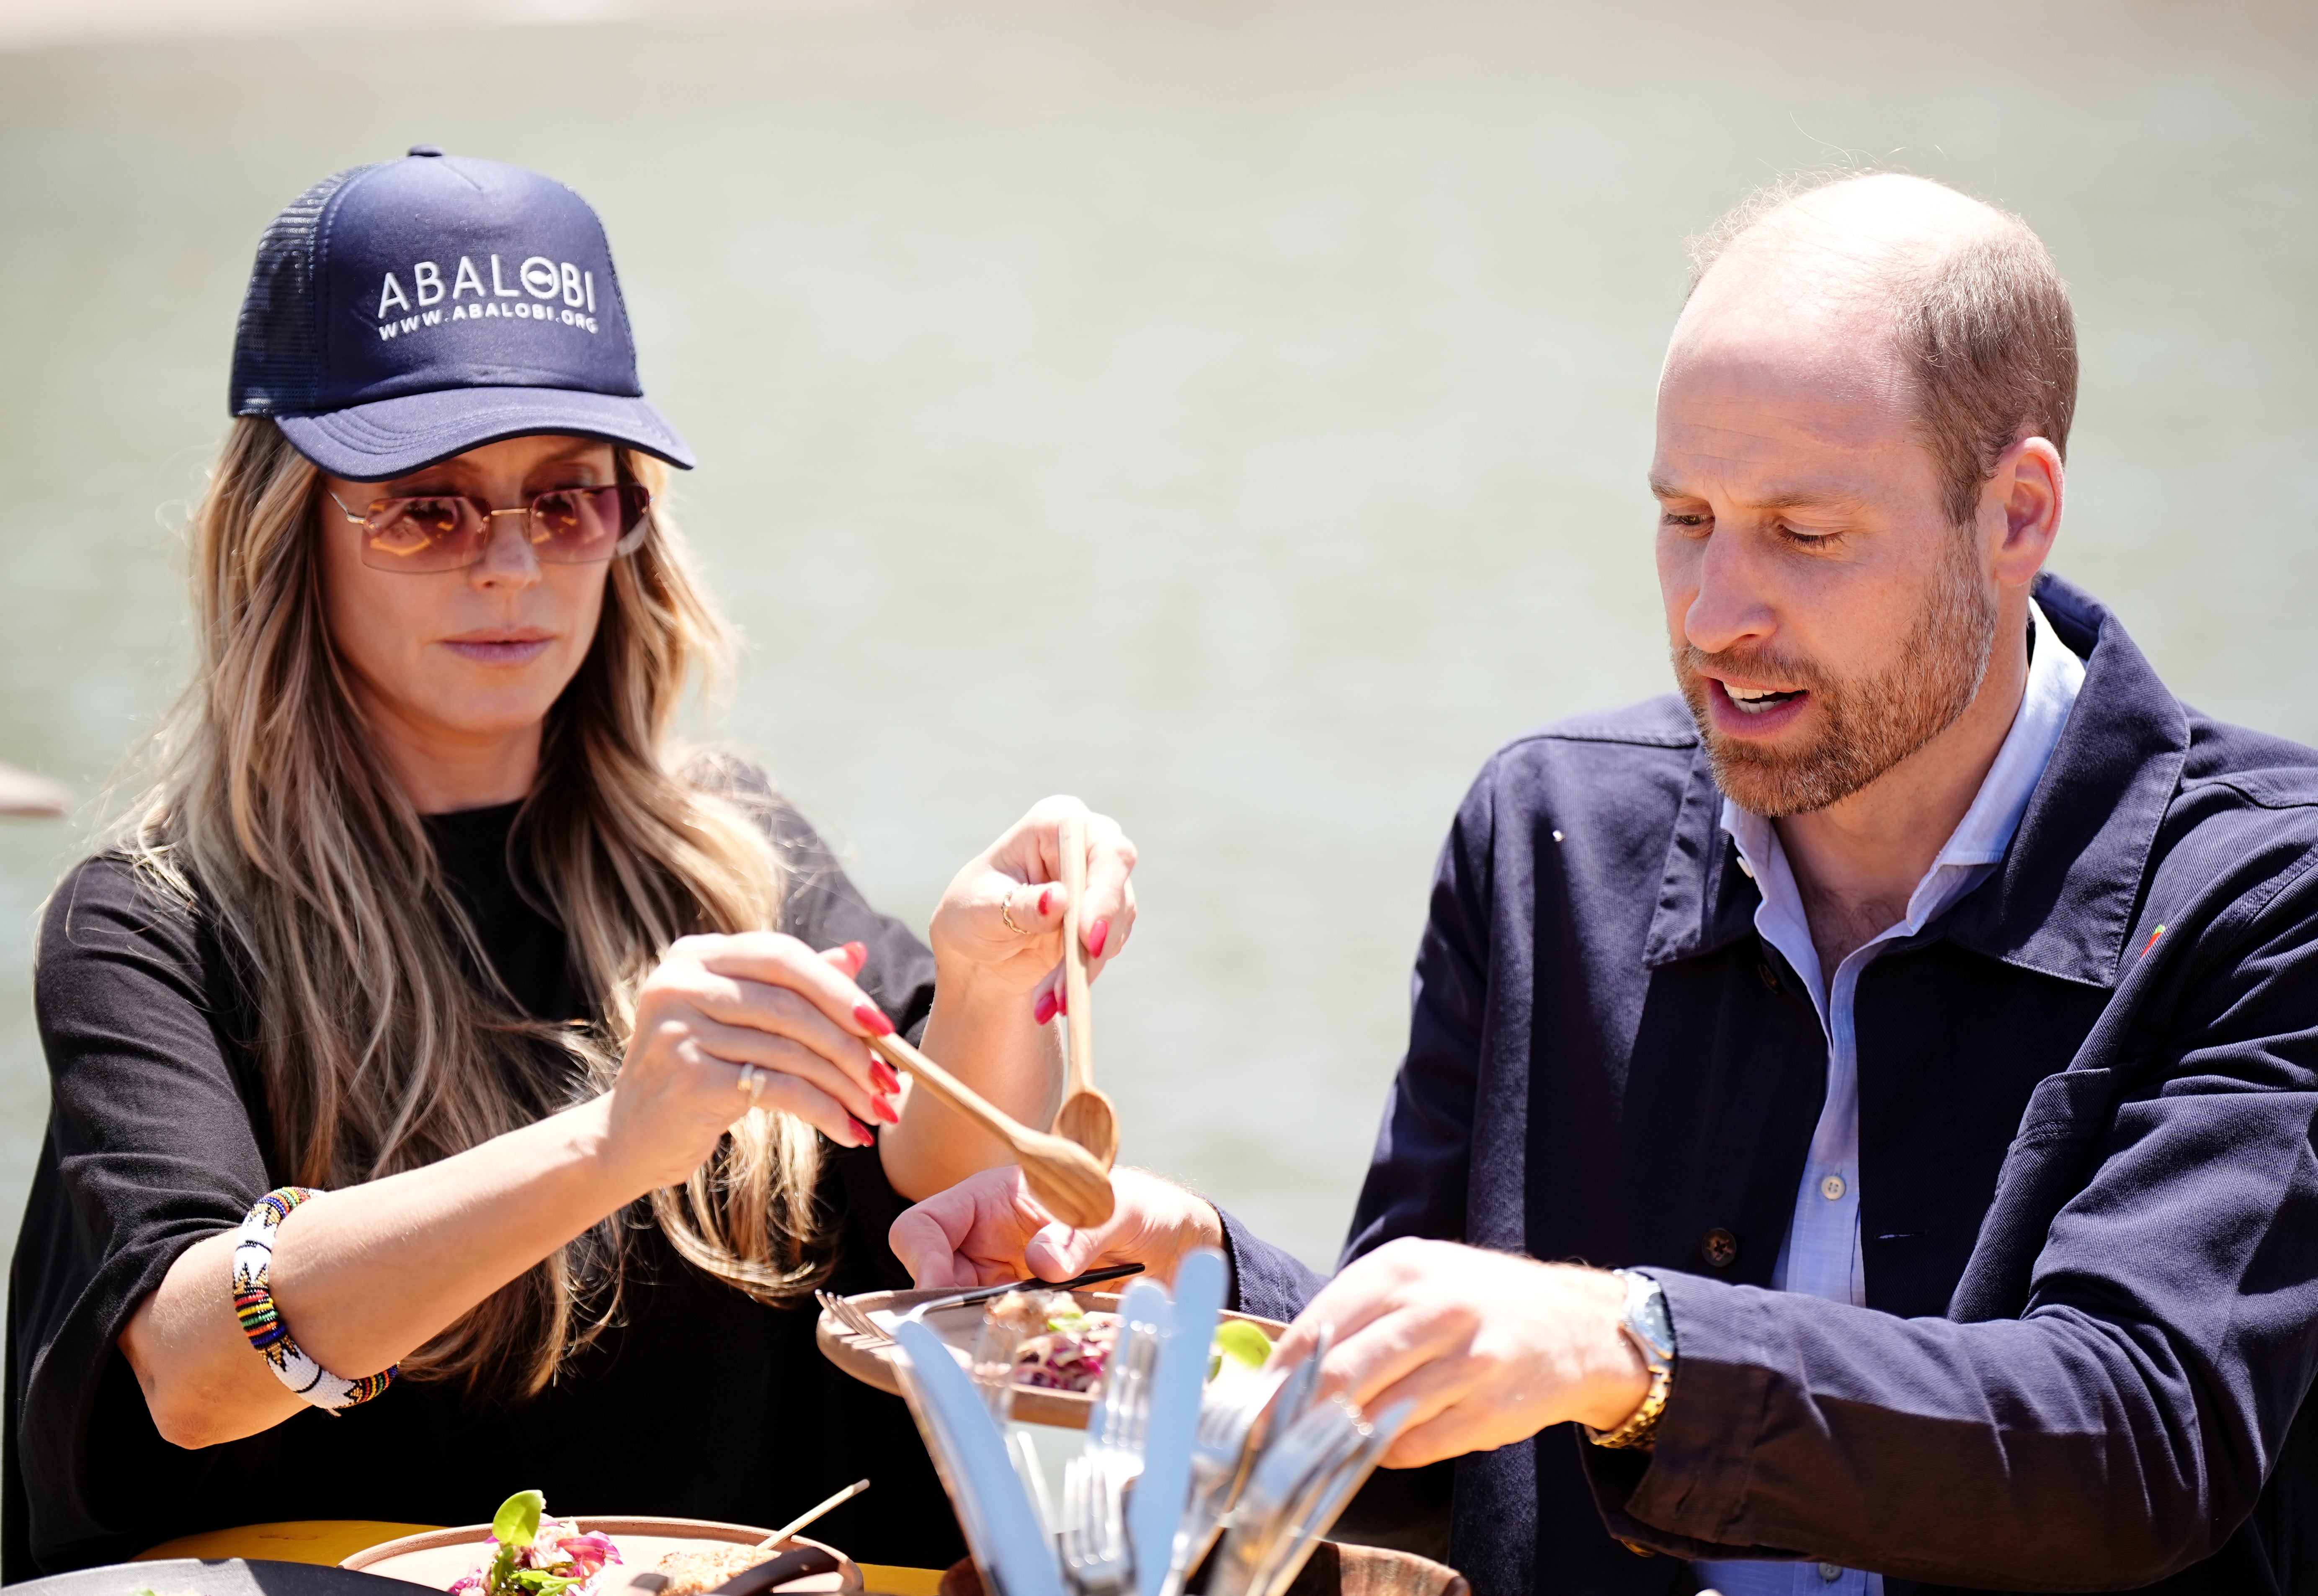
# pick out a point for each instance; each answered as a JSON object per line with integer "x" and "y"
{"x": 1866, "y": 727}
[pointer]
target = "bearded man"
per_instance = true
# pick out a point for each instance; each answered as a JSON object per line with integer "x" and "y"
{"x": 1920, "y": 1011}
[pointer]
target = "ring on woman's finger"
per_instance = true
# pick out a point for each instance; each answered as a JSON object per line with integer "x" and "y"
{"x": 1006, "y": 913}
{"x": 752, "y": 1082}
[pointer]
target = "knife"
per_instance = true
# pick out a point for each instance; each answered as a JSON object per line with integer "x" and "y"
{"x": 1008, "y": 1542}
{"x": 1155, "y": 1512}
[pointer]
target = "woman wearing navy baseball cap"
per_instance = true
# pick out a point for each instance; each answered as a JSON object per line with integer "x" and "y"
{"x": 457, "y": 1088}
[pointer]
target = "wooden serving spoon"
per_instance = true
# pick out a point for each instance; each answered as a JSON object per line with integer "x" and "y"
{"x": 1086, "y": 1116}
{"x": 1061, "y": 1175}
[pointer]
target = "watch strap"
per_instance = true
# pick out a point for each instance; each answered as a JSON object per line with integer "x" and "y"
{"x": 1645, "y": 1323}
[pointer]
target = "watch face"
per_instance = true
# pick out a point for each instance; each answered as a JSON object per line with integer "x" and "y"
{"x": 1647, "y": 1313}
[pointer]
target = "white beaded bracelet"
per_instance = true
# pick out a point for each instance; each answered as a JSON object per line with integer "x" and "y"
{"x": 261, "y": 1321}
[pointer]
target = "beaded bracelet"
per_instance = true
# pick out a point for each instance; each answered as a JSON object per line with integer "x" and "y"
{"x": 261, "y": 1321}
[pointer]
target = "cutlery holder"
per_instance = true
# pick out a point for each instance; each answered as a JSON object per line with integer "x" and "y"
{"x": 1335, "y": 1570}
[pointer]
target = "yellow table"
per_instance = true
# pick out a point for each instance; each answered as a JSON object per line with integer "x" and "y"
{"x": 334, "y": 1540}
{"x": 301, "y": 1540}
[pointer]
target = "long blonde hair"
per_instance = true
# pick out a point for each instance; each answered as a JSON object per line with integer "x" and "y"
{"x": 385, "y": 1040}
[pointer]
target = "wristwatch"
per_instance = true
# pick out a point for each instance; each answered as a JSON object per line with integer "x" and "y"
{"x": 1650, "y": 1328}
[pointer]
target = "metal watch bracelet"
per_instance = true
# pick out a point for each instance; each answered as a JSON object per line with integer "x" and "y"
{"x": 1650, "y": 1327}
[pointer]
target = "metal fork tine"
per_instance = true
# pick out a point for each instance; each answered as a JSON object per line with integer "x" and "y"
{"x": 859, "y": 1325}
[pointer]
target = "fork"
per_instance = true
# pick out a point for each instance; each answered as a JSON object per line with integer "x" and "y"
{"x": 855, "y": 1323}
{"x": 1378, "y": 1435}
{"x": 1220, "y": 1459}
{"x": 1094, "y": 1538}
{"x": 1094, "y": 1525}
{"x": 1291, "y": 1473}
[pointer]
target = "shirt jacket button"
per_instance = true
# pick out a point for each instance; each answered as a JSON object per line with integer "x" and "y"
{"x": 1770, "y": 976}
{"x": 1829, "y": 1572}
{"x": 1721, "y": 1247}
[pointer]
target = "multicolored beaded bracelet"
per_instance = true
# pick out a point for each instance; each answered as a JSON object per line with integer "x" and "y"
{"x": 261, "y": 1321}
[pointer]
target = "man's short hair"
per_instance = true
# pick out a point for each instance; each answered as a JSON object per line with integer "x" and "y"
{"x": 1986, "y": 330}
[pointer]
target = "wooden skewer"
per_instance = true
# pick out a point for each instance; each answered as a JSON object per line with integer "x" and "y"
{"x": 812, "y": 1513}
{"x": 1086, "y": 1116}
{"x": 1061, "y": 1175}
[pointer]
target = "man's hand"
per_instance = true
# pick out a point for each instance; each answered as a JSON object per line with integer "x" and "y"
{"x": 988, "y": 1228}
{"x": 1490, "y": 1348}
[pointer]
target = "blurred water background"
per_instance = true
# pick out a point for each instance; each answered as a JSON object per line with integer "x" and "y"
{"x": 1232, "y": 410}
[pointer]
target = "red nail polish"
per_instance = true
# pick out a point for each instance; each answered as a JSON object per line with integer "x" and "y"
{"x": 1046, "y": 902}
{"x": 874, "y": 1023}
{"x": 869, "y": 1137}
{"x": 885, "y": 1110}
{"x": 883, "y": 1074}
{"x": 1044, "y": 1009}
{"x": 859, "y": 952}
{"x": 1096, "y": 936}
{"x": 1062, "y": 999}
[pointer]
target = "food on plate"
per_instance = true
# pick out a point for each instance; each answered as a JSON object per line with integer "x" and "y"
{"x": 537, "y": 1556}
{"x": 1065, "y": 1348}
{"x": 689, "y": 1574}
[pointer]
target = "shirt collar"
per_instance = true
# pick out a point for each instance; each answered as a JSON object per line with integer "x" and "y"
{"x": 1981, "y": 837}
{"x": 2063, "y": 900}
{"x": 1971, "y": 850}
{"x": 2061, "y": 903}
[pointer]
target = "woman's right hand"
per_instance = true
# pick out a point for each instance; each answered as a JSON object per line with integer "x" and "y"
{"x": 716, "y": 1004}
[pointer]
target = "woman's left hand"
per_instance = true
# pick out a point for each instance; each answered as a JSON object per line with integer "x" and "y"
{"x": 1002, "y": 920}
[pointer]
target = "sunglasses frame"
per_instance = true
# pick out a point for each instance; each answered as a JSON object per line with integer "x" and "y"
{"x": 628, "y": 541}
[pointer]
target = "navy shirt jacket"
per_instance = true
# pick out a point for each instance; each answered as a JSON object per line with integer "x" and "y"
{"x": 2088, "y": 1203}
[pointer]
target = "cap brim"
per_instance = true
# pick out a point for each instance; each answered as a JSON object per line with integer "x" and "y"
{"x": 390, "y": 438}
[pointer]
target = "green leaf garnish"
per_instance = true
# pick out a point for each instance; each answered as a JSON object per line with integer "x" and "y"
{"x": 518, "y": 1520}
{"x": 541, "y": 1583}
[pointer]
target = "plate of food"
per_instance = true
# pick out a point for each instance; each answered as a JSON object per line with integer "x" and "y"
{"x": 1066, "y": 1340}
{"x": 524, "y": 1551}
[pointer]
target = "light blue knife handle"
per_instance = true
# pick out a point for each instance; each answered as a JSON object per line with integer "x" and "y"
{"x": 976, "y": 1466}
{"x": 1154, "y": 1514}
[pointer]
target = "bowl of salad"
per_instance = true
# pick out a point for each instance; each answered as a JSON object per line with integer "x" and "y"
{"x": 525, "y": 1551}
{"x": 1067, "y": 1337}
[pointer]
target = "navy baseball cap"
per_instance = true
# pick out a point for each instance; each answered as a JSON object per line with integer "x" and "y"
{"x": 404, "y": 312}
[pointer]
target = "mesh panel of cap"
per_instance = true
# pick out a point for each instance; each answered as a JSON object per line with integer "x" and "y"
{"x": 277, "y": 349}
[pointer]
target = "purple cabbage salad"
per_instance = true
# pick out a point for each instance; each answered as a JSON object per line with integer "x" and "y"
{"x": 538, "y": 1556}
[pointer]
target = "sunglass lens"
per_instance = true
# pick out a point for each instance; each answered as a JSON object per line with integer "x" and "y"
{"x": 635, "y": 500}
{"x": 580, "y": 524}
{"x": 420, "y": 534}
{"x": 573, "y": 524}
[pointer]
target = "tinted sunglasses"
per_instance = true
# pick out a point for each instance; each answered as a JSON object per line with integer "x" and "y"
{"x": 451, "y": 531}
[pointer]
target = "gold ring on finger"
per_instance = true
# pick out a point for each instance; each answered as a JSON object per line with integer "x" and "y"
{"x": 752, "y": 1082}
{"x": 1006, "y": 913}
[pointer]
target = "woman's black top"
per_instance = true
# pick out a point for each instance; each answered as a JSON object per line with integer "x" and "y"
{"x": 700, "y": 1403}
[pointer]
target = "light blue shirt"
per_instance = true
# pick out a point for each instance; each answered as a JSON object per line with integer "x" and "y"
{"x": 1821, "y": 1255}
